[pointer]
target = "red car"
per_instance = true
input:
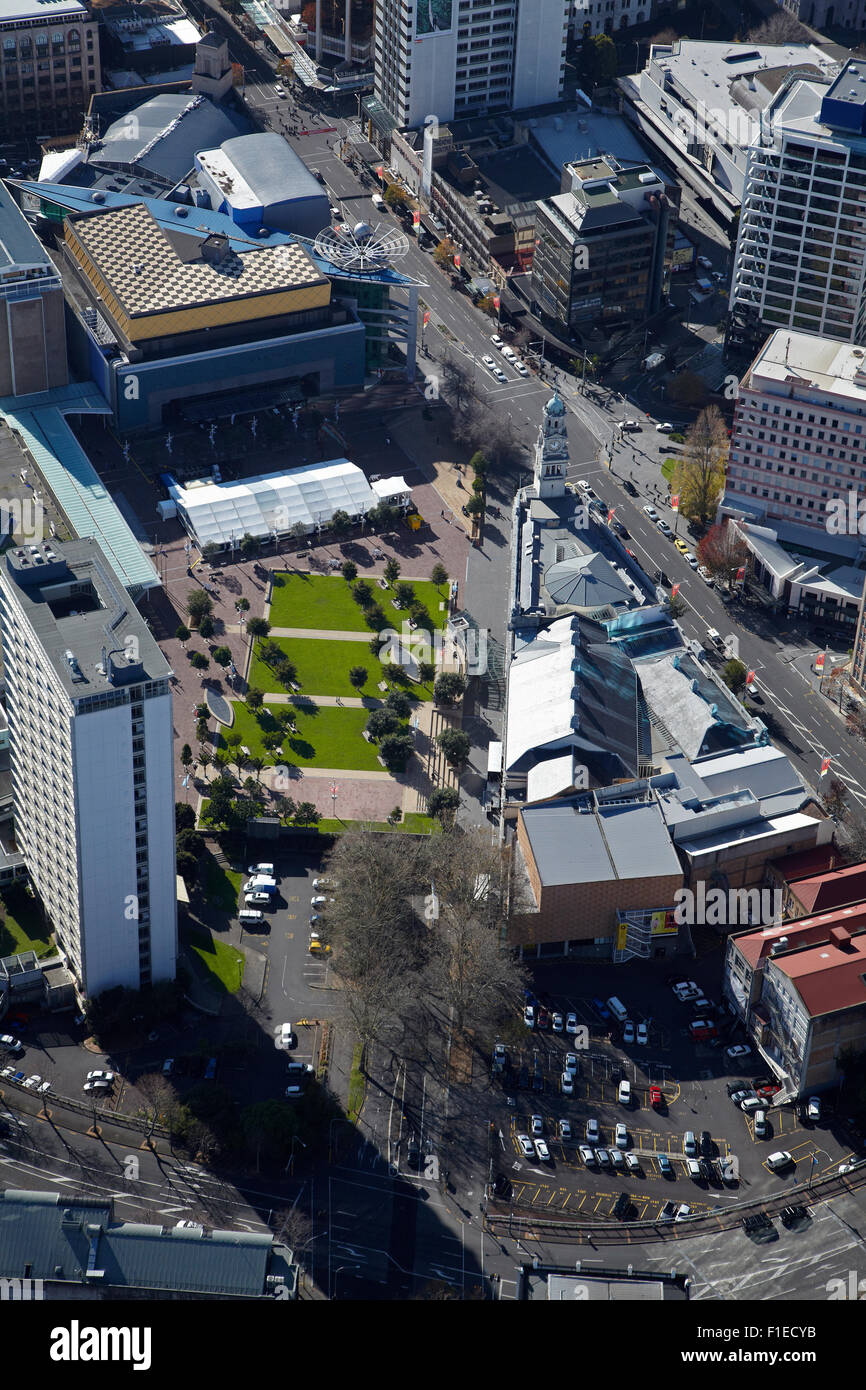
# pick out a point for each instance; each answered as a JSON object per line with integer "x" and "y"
{"x": 543, "y": 1018}
{"x": 655, "y": 1097}
{"x": 769, "y": 1090}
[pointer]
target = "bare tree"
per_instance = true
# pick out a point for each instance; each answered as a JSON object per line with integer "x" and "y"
{"x": 470, "y": 969}
{"x": 781, "y": 27}
{"x": 459, "y": 380}
{"x": 160, "y": 1102}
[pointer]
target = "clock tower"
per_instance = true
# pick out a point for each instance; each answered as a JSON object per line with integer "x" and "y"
{"x": 551, "y": 451}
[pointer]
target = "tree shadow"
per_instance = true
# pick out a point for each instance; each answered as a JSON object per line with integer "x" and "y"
{"x": 302, "y": 747}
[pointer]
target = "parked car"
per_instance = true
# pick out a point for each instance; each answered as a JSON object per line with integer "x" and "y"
{"x": 813, "y": 1109}
{"x": 690, "y": 1144}
{"x": 705, "y": 263}
{"x": 602, "y": 1009}
{"x": 683, "y": 1210}
{"x": 666, "y": 1168}
{"x": 632, "y": 1162}
{"x": 664, "y": 428}
{"x": 694, "y": 1170}
{"x": 691, "y": 559}
{"x": 210, "y": 1069}
{"x": 655, "y": 1097}
{"x": 168, "y": 1066}
{"x": 499, "y": 375}
{"x": 591, "y": 1132}
{"x": 521, "y": 368}
{"x": 668, "y": 1211}
{"x": 620, "y": 530}
{"x": 760, "y": 1122}
{"x": 11, "y": 1044}
{"x": 734, "y": 1086}
{"x": 567, "y": 1083}
{"x": 529, "y": 1015}
{"x": 750, "y": 1104}
{"x": 100, "y": 1076}
{"x": 46, "y": 1086}
{"x": 571, "y": 1023}
{"x": 681, "y": 545}
{"x": 536, "y": 1125}
{"x": 318, "y": 900}
{"x": 527, "y": 1148}
{"x": 564, "y": 1127}
{"x": 570, "y": 1064}
{"x": 587, "y": 1154}
{"x": 623, "y": 1093}
{"x": 543, "y": 1018}
{"x": 558, "y": 1023}
{"x": 500, "y": 1055}
{"x": 651, "y": 511}
{"x": 32, "y": 1082}
{"x": 7, "y": 1072}
{"x": 621, "y": 1136}
{"x": 738, "y": 1050}
{"x": 602, "y": 1158}
{"x": 94, "y": 1085}
{"x": 542, "y": 1151}
{"x": 642, "y": 1034}
{"x": 629, "y": 487}
{"x": 630, "y": 425}
{"x": 628, "y": 1031}
{"x": 268, "y": 870}
{"x": 706, "y": 576}
{"x": 488, "y": 362}
{"x": 496, "y": 341}
{"x": 780, "y": 1160}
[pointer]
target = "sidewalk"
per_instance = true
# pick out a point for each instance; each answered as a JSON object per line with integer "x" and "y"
{"x": 424, "y": 448}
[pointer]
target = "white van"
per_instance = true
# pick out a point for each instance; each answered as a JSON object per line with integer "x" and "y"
{"x": 250, "y": 916}
{"x": 378, "y": 202}
{"x": 618, "y": 1009}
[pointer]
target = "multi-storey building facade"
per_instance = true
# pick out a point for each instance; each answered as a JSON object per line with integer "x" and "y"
{"x": 90, "y": 724}
{"x": 49, "y": 65}
{"x": 32, "y": 333}
{"x": 603, "y": 247}
{"x": 590, "y": 17}
{"x": 447, "y": 58}
{"x": 799, "y": 434}
{"x": 801, "y": 249}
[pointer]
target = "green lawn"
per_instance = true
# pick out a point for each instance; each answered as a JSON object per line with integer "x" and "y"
{"x": 323, "y": 669}
{"x": 224, "y": 964}
{"x": 412, "y": 824}
{"x": 325, "y": 601}
{"x": 219, "y": 886}
{"x": 357, "y": 1087}
{"x": 668, "y": 468}
{"x": 327, "y": 736}
{"x": 21, "y": 925}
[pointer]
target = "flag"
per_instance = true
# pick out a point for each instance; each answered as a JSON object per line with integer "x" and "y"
{"x": 750, "y": 676}
{"x": 496, "y": 302}
{"x": 675, "y": 590}
{"x": 675, "y": 502}
{"x": 610, "y": 513}
{"x": 380, "y": 171}
{"x": 825, "y": 763}
{"x": 741, "y": 574}
{"x": 457, "y": 260}
{"x": 416, "y": 218}
{"x": 426, "y": 319}
{"x": 819, "y": 662}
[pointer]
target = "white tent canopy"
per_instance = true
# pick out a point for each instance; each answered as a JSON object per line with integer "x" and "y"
{"x": 271, "y": 503}
{"x": 386, "y": 488}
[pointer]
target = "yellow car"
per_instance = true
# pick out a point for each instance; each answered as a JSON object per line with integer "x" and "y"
{"x": 681, "y": 546}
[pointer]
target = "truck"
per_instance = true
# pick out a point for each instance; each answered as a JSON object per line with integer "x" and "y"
{"x": 655, "y": 359}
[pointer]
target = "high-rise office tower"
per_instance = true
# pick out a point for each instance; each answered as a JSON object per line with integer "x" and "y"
{"x": 90, "y": 729}
{"x": 801, "y": 248}
{"x": 449, "y": 58}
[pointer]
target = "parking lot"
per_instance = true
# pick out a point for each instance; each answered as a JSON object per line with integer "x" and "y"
{"x": 692, "y": 1078}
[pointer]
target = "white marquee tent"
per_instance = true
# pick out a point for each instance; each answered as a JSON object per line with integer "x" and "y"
{"x": 273, "y": 502}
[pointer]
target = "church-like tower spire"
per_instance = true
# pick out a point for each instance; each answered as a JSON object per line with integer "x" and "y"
{"x": 551, "y": 450}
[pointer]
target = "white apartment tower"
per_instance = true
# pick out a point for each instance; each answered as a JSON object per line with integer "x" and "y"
{"x": 799, "y": 435}
{"x": 90, "y": 726}
{"x": 801, "y": 248}
{"x": 451, "y": 58}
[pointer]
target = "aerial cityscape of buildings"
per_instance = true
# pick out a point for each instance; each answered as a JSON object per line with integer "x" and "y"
{"x": 432, "y": 487}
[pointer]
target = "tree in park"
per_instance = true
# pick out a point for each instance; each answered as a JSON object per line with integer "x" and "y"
{"x": 298, "y": 532}
{"x": 439, "y": 574}
{"x": 349, "y": 571}
{"x": 271, "y": 652}
{"x": 455, "y": 746}
{"x": 449, "y": 689}
{"x": 184, "y": 816}
{"x": 382, "y": 722}
{"x": 399, "y": 703}
{"x": 358, "y": 677}
{"x": 420, "y": 617}
{"x": 255, "y": 697}
{"x": 198, "y": 605}
{"x": 186, "y": 758}
{"x": 222, "y": 656}
{"x": 474, "y": 507}
{"x": 442, "y": 803}
{"x": 204, "y": 760}
{"x": 221, "y": 794}
{"x": 722, "y": 551}
{"x": 699, "y": 476}
{"x": 285, "y": 671}
{"x": 242, "y": 605}
{"x": 396, "y": 750}
{"x": 199, "y": 661}
{"x": 405, "y": 595}
{"x": 426, "y": 672}
{"x": 201, "y": 731}
{"x": 258, "y": 627}
{"x": 249, "y": 546}
{"x": 479, "y": 466}
{"x": 363, "y": 594}
{"x": 207, "y": 627}
{"x": 306, "y": 814}
{"x": 392, "y": 571}
{"x": 182, "y": 633}
{"x": 340, "y": 522}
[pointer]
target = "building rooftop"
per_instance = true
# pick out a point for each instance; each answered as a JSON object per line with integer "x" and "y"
{"x": 260, "y": 169}
{"x": 838, "y": 888}
{"x": 793, "y": 867}
{"x": 800, "y": 362}
{"x": 149, "y": 273}
{"x": 88, "y": 626}
{"x": 47, "y": 10}
{"x": 162, "y": 135}
{"x": 701, "y": 715}
{"x": 578, "y": 840}
{"x": 58, "y": 1237}
{"x": 20, "y": 248}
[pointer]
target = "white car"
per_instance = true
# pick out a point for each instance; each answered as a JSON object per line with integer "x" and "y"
{"x": 46, "y": 1086}
{"x": 687, "y": 990}
{"x": 32, "y": 1082}
{"x": 13, "y": 1044}
{"x": 705, "y": 575}
{"x": 488, "y": 362}
{"x": 285, "y": 1035}
{"x": 642, "y": 1034}
{"x": 564, "y": 1127}
{"x": 496, "y": 341}
{"x": 602, "y": 1158}
{"x": 280, "y": 91}
{"x": 557, "y": 1023}
{"x": 521, "y": 368}
{"x": 267, "y": 869}
{"x": 592, "y": 1131}
{"x": 705, "y": 263}
{"x": 542, "y": 1151}
{"x": 664, "y": 428}
{"x": 258, "y": 899}
{"x": 584, "y": 485}
{"x": 683, "y": 1210}
{"x": 318, "y": 900}
{"x": 570, "y": 1063}
{"x": 630, "y": 425}
{"x": 691, "y": 559}
{"x": 739, "y": 1050}
{"x": 628, "y": 1031}
{"x": 617, "y": 1160}
{"x": 664, "y": 528}
{"x": 319, "y": 883}
{"x": 632, "y": 1162}
{"x": 779, "y": 1160}
{"x": 753, "y": 690}
{"x": 587, "y": 1154}
{"x": 623, "y": 1093}
{"x": 567, "y": 1083}
{"x": 651, "y": 511}
{"x": 621, "y": 1136}
{"x": 96, "y": 1086}
{"x": 527, "y": 1148}
{"x": 571, "y": 1023}
{"x": 509, "y": 354}
{"x": 536, "y": 1126}
{"x": 813, "y": 1109}
{"x": 499, "y": 374}
{"x": 8, "y": 1071}
{"x": 100, "y": 1076}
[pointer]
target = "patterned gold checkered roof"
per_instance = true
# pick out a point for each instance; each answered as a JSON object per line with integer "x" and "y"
{"x": 138, "y": 261}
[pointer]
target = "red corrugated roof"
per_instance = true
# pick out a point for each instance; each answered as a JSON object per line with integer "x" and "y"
{"x": 803, "y": 932}
{"x": 824, "y": 892}
{"x": 828, "y": 978}
{"x": 807, "y": 863}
